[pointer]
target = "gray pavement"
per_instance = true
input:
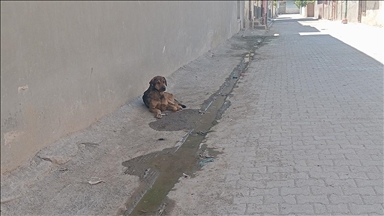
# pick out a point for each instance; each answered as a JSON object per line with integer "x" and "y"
{"x": 303, "y": 136}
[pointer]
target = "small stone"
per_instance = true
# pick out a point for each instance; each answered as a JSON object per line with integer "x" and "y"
{"x": 62, "y": 169}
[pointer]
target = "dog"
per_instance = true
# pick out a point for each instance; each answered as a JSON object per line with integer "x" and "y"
{"x": 157, "y": 100}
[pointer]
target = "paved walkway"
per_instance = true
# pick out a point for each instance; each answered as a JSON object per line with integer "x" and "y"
{"x": 365, "y": 38}
{"x": 303, "y": 136}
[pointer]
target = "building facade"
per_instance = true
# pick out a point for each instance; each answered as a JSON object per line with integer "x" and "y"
{"x": 361, "y": 11}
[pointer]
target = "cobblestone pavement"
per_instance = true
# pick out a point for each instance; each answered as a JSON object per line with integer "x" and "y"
{"x": 303, "y": 136}
{"x": 365, "y": 38}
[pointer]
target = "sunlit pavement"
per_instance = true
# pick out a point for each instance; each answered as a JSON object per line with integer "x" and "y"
{"x": 304, "y": 133}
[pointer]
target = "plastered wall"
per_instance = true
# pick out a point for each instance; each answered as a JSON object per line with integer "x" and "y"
{"x": 66, "y": 64}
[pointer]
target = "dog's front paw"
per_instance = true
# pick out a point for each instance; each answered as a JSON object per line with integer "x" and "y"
{"x": 159, "y": 116}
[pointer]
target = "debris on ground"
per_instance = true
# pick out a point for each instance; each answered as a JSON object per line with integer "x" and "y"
{"x": 63, "y": 169}
{"x": 162, "y": 209}
{"x": 205, "y": 154}
{"x": 160, "y": 139}
{"x": 205, "y": 161}
{"x": 146, "y": 172}
{"x": 246, "y": 59}
{"x": 95, "y": 180}
{"x": 185, "y": 175}
{"x": 201, "y": 133}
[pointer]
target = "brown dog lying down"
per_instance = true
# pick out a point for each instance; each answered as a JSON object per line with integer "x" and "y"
{"x": 157, "y": 100}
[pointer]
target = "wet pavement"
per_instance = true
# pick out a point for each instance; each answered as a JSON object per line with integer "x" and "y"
{"x": 303, "y": 134}
{"x": 160, "y": 171}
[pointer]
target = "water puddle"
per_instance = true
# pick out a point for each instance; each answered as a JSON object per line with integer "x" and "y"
{"x": 174, "y": 121}
{"x": 159, "y": 171}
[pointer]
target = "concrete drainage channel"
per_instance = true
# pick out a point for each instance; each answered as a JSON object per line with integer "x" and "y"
{"x": 159, "y": 171}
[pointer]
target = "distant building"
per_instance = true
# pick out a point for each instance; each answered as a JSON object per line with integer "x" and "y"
{"x": 288, "y": 7}
{"x": 361, "y": 11}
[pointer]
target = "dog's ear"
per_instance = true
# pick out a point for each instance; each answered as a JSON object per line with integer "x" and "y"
{"x": 152, "y": 82}
{"x": 165, "y": 81}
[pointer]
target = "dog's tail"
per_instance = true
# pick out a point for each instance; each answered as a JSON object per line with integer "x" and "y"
{"x": 182, "y": 105}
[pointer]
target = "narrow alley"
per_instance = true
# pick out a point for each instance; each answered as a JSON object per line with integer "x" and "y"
{"x": 300, "y": 133}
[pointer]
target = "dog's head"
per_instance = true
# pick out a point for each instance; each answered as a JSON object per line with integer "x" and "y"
{"x": 159, "y": 83}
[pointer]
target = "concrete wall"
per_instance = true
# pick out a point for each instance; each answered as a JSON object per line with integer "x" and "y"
{"x": 326, "y": 10}
{"x": 66, "y": 64}
{"x": 374, "y": 13}
{"x": 303, "y": 11}
{"x": 353, "y": 10}
{"x": 317, "y": 9}
{"x": 282, "y": 7}
{"x": 340, "y": 10}
{"x": 373, "y": 16}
